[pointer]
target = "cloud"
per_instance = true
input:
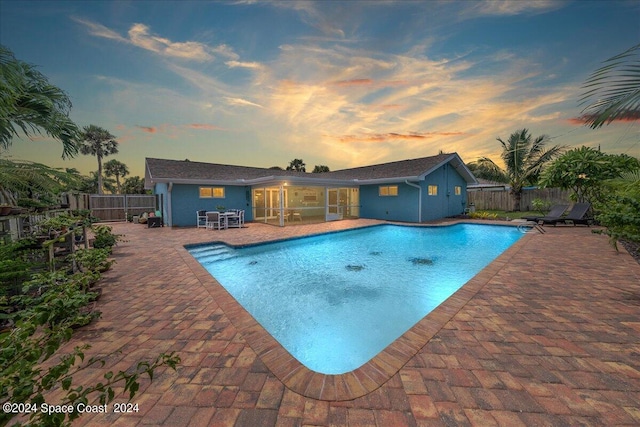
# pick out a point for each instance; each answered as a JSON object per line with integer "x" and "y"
{"x": 392, "y": 136}
{"x": 238, "y": 64}
{"x": 148, "y": 129}
{"x": 99, "y": 30}
{"x": 354, "y": 82}
{"x": 629, "y": 117}
{"x": 241, "y": 102}
{"x": 512, "y": 7}
{"x": 139, "y": 35}
{"x": 203, "y": 126}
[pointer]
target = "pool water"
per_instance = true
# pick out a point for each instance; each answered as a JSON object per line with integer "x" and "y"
{"x": 336, "y": 300}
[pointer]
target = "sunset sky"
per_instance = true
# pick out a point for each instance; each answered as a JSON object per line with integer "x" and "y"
{"x": 336, "y": 83}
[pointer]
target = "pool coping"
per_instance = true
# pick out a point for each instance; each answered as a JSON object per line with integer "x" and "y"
{"x": 374, "y": 373}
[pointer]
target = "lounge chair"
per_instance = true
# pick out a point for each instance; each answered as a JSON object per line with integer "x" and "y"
{"x": 577, "y": 215}
{"x": 555, "y": 212}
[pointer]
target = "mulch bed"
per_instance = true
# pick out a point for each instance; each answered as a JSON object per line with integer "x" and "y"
{"x": 633, "y": 248}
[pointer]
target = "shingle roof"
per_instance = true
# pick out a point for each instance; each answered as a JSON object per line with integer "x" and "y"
{"x": 402, "y": 168}
{"x": 188, "y": 171}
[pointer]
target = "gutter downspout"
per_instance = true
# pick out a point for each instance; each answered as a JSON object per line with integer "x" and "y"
{"x": 169, "y": 213}
{"x": 406, "y": 181}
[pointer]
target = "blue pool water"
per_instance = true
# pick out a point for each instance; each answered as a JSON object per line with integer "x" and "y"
{"x": 336, "y": 300}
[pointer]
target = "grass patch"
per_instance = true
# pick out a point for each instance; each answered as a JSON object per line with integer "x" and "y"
{"x": 512, "y": 215}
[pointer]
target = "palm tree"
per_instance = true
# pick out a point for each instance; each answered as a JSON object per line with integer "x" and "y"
{"x": 524, "y": 159}
{"x": 133, "y": 185}
{"x": 98, "y": 142}
{"x": 28, "y": 102}
{"x": 613, "y": 90}
{"x": 117, "y": 169}
{"x": 297, "y": 165}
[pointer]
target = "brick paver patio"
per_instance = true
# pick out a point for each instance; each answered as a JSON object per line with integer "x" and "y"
{"x": 548, "y": 334}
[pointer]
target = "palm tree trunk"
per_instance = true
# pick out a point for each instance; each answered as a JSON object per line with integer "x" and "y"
{"x": 99, "y": 175}
{"x": 518, "y": 198}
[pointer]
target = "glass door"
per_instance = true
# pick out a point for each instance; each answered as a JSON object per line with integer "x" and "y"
{"x": 333, "y": 204}
{"x": 266, "y": 203}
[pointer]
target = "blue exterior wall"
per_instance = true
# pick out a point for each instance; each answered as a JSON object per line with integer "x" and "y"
{"x": 404, "y": 207}
{"x": 185, "y": 201}
{"x": 446, "y": 203}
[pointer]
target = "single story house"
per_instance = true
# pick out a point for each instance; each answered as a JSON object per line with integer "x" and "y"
{"x": 413, "y": 190}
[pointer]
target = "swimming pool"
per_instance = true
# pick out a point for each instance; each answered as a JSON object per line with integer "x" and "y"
{"x": 336, "y": 300}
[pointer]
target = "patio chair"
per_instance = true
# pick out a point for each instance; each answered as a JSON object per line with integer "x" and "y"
{"x": 201, "y": 219}
{"x": 236, "y": 220}
{"x": 555, "y": 212}
{"x": 577, "y": 215}
{"x": 297, "y": 215}
{"x": 214, "y": 221}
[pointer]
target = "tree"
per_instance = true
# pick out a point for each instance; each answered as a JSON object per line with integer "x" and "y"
{"x": 96, "y": 141}
{"x": 296, "y": 165}
{"x": 584, "y": 170}
{"x": 320, "y": 169}
{"x": 89, "y": 184}
{"x": 276, "y": 168}
{"x": 30, "y": 103}
{"x": 524, "y": 159}
{"x": 21, "y": 179}
{"x": 133, "y": 185}
{"x": 613, "y": 90}
{"x": 489, "y": 171}
{"x": 117, "y": 169}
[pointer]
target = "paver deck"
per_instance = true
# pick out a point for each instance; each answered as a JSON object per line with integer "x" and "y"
{"x": 548, "y": 334}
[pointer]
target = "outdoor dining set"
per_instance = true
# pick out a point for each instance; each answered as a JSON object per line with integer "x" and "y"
{"x": 220, "y": 220}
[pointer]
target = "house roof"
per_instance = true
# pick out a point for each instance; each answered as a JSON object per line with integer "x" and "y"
{"x": 189, "y": 172}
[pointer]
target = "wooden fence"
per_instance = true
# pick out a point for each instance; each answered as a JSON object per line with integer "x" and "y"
{"x": 504, "y": 200}
{"x": 116, "y": 207}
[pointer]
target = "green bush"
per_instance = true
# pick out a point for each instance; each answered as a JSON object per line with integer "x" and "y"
{"x": 541, "y": 206}
{"x": 43, "y": 318}
{"x": 104, "y": 237}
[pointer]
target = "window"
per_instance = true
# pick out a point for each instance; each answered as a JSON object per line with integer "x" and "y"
{"x": 388, "y": 190}
{"x": 457, "y": 190}
{"x": 212, "y": 192}
{"x": 433, "y": 190}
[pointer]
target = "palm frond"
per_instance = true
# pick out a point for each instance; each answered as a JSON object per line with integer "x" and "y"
{"x": 612, "y": 92}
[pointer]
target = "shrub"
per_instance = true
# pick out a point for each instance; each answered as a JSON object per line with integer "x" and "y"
{"x": 51, "y": 306}
{"x": 541, "y": 206}
{"x": 483, "y": 215}
{"x": 104, "y": 237}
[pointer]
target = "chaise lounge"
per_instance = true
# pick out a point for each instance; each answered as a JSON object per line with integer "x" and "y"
{"x": 556, "y": 211}
{"x": 577, "y": 215}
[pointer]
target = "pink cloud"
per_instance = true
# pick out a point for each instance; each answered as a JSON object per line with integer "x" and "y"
{"x": 631, "y": 116}
{"x": 203, "y": 126}
{"x": 148, "y": 129}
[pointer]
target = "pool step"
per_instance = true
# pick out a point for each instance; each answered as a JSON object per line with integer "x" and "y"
{"x": 208, "y": 254}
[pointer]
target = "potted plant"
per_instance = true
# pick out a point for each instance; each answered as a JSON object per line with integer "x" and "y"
{"x": 93, "y": 259}
{"x": 105, "y": 238}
